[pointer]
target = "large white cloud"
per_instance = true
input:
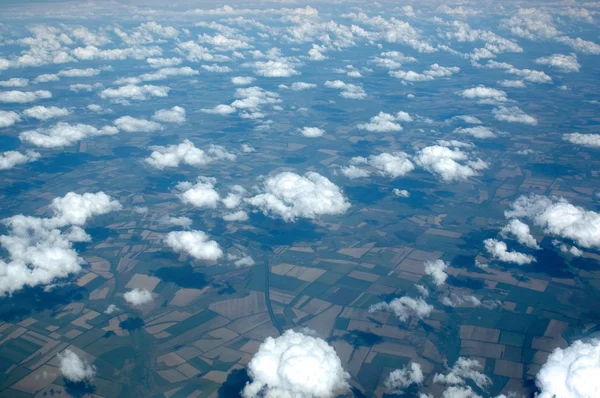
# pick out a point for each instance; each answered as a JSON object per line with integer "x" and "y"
{"x": 589, "y": 140}
{"x": 10, "y": 159}
{"x": 21, "y": 97}
{"x": 40, "y": 249}
{"x": 400, "y": 379}
{"x": 559, "y": 217}
{"x": 312, "y": 132}
{"x": 385, "y": 122}
{"x": 521, "y": 231}
{"x": 499, "y": 250}
{"x": 296, "y": 365}
{"x": 138, "y": 296}
{"x": 464, "y": 369}
{"x": 174, "y": 115}
{"x": 392, "y": 165}
{"x": 291, "y": 196}
{"x": 405, "y": 307}
{"x": 485, "y": 94}
{"x": 45, "y": 112}
{"x": 195, "y": 243}
{"x": 564, "y": 63}
{"x": 135, "y": 125}
{"x": 571, "y": 372}
{"x": 351, "y": 91}
{"x": 74, "y": 368}
{"x": 160, "y": 74}
{"x": 513, "y": 114}
{"x": 64, "y": 134}
{"x": 186, "y": 153}
{"x": 476, "y": 132}
{"x": 437, "y": 271}
{"x": 444, "y": 162}
{"x": 133, "y": 92}
{"x": 15, "y": 82}
{"x": 200, "y": 194}
{"x": 8, "y": 118}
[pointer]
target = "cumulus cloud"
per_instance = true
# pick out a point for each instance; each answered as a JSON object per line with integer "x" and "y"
{"x": 183, "y": 222}
{"x": 589, "y": 140}
{"x": 435, "y": 71}
{"x": 312, "y": 132}
{"x": 22, "y": 97}
{"x": 201, "y": 194}
{"x": 220, "y": 109}
{"x": 160, "y": 74}
{"x": 392, "y": 165}
{"x": 45, "y": 112}
{"x": 392, "y": 60}
{"x": 301, "y": 86}
{"x": 242, "y": 80}
{"x": 8, "y": 118}
{"x": 404, "y": 308}
{"x": 476, "y": 132}
{"x": 195, "y": 243}
{"x": 275, "y": 68}
{"x": 15, "y": 82}
{"x": 521, "y": 232}
{"x": 499, "y": 250}
{"x": 64, "y": 134}
{"x": 40, "y": 249}
{"x": 90, "y": 53}
{"x": 133, "y": 92}
{"x": 74, "y": 368}
{"x": 562, "y": 62}
{"x": 163, "y": 62}
{"x": 444, "y": 162}
{"x": 513, "y": 115}
{"x": 137, "y": 297}
{"x": 174, "y": 115}
{"x": 350, "y": 91}
{"x": 291, "y": 196}
{"x": 400, "y": 379}
{"x": 570, "y": 372}
{"x": 436, "y": 270}
{"x": 186, "y": 153}
{"x": 464, "y": 369}
{"x": 134, "y": 125}
{"x": 485, "y": 94}
{"x": 10, "y": 159}
{"x": 296, "y": 365}
{"x": 559, "y": 217}
{"x": 239, "y": 215}
{"x": 385, "y": 122}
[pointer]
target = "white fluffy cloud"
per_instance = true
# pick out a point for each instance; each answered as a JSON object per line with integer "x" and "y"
{"x": 436, "y": 270}
{"x": 174, "y": 115}
{"x": 589, "y": 140}
{"x": 64, "y": 134}
{"x": 476, "y": 132}
{"x": 291, "y": 196}
{"x": 74, "y": 368}
{"x": 45, "y": 112}
{"x": 351, "y": 91}
{"x": 133, "y": 92}
{"x": 400, "y": 379}
{"x": 138, "y": 296}
{"x": 571, "y": 372}
{"x": 559, "y": 217}
{"x": 521, "y": 232}
{"x": 275, "y": 68}
{"x": 499, "y": 250}
{"x": 8, "y": 118}
{"x": 485, "y": 94}
{"x": 186, "y": 153}
{"x": 444, "y": 162}
{"x": 195, "y": 243}
{"x": 385, "y": 122}
{"x": 513, "y": 114}
{"x": 242, "y": 80}
{"x": 405, "y": 307}
{"x": 200, "y": 194}
{"x": 564, "y": 63}
{"x": 401, "y": 193}
{"x": 183, "y": 222}
{"x": 134, "y": 125}
{"x": 160, "y": 74}
{"x": 312, "y": 132}
{"x": 464, "y": 369}
{"x": 21, "y": 97}
{"x": 40, "y": 249}
{"x": 392, "y": 165}
{"x": 296, "y": 365}
{"x": 15, "y": 82}
{"x": 10, "y": 159}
